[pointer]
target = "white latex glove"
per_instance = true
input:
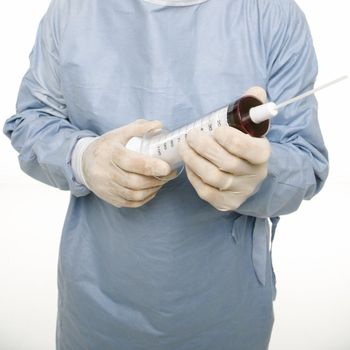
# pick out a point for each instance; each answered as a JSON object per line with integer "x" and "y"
{"x": 119, "y": 176}
{"x": 226, "y": 167}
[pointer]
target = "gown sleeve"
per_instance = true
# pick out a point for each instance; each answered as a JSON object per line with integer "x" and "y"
{"x": 298, "y": 165}
{"x": 41, "y": 130}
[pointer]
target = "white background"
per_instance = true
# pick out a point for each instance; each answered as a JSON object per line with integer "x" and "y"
{"x": 311, "y": 251}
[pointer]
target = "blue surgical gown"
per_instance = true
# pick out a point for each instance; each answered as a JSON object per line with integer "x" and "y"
{"x": 174, "y": 274}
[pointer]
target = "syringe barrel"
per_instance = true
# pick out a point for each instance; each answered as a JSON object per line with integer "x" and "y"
{"x": 164, "y": 145}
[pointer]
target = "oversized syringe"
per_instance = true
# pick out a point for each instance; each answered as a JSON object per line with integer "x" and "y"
{"x": 247, "y": 114}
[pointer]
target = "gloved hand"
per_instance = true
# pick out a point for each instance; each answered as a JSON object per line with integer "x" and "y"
{"x": 122, "y": 177}
{"x": 226, "y": 167}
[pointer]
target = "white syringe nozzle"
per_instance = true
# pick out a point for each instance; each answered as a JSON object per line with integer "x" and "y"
{"x": 263, "y": 112}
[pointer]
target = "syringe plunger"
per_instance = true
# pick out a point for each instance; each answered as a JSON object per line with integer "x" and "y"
{"x": 269, "y": 110}
{"x": 263, "y": 112}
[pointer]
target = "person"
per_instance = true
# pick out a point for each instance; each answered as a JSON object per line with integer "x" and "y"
{"x": 150, "y": 259}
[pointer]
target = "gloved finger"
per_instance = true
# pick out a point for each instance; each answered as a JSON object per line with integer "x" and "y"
{"x": 258, "y": 92}
{"x": 120, "y": 202}
{"x": 164, "y": 179}
{"x": 129, "y": 194}
{"x": 204, "y": 191}
{"x": 130, "y": 204}
{"x": 207, "y": 171}
{"x": 206, "y": 146}
{"x": 139, "y": 127}
{"x": 138, "y": 163}
{"x": 221, "y": 200}
{"x": 253, "y": 149}
{"x": 137, "y": 181}
{"x": 244, "y": 184}
{"x": 214, "y": 177}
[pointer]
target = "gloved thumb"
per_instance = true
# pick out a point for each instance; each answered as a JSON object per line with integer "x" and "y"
{"x": 139, "y": 128}
{"x": 258, "y": 92}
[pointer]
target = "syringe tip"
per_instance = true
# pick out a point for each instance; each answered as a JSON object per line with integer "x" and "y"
{"x": 263, "y": 112}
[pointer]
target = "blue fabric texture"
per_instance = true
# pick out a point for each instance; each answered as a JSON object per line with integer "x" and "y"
{"x": 175, "y": 274}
